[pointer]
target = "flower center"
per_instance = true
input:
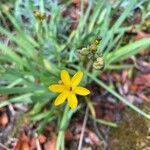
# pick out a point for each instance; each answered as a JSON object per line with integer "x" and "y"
{"x": 70, "y": 89}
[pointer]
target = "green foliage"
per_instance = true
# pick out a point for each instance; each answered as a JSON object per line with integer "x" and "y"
{"x": 33, "y": 52}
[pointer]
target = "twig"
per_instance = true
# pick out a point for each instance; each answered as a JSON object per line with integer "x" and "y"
{"x": 11, "y": 110}
{"x": 83, "y": 128}
{"x": 100, "y": 134}
{"x": 37, "y": 142}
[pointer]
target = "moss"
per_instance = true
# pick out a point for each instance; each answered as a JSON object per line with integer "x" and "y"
{"x": 132, "y": 132}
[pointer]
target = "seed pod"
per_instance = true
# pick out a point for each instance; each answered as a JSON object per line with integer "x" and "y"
{"x": 97, "y": 41}
{"x": 84, "y": 51}
{"x": 98, "y": 63}
{"x": 93, "y": 48}
{"x": 89, "y": 52}
{"x": 39, "y": 15}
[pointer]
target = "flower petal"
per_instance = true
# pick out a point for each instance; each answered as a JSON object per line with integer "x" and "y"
{"x": 81, "y": 91}
{"x": 61, "y": 98}
{"x": 58, "y": 88}
{"x": 65, "y": 78}
{"x": 76, "y": 78}
{"x": 72, "y": 100}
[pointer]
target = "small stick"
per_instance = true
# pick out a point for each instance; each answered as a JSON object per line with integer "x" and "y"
{"x": 37, "y": 142}
{"x": 83, "y": 128}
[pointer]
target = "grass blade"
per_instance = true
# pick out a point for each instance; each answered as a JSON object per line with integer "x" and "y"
{"x": 125, "y": 101}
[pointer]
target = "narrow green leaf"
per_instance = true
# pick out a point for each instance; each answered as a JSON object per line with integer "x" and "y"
{"x": 127, "y": 51}
{"x": 19, "y": 99}
{"x": 125, "y": 101}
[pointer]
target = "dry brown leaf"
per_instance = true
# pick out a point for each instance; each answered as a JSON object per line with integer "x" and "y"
{"x": 116, "y": 76}
{"x": 93, "y": 137}
{"x": 78, "y": 2}
{"x": 104, "y": 76}
{"x": 23, "y": 143}
{"x": 24, "y": 146}
{"x": 4, "y": 120}
{"x": 141, "y": 35}
{"x": 134, "y": 87}
{"x": 42, "y": 138}
{"x": 144, "y": 97}
{"x": 51, "y": 144}
{"x": 143, "y": 80}
{"x": 124, "y": 76}
{"x": 33, "y": 144}
{"x": 68, "y": 135}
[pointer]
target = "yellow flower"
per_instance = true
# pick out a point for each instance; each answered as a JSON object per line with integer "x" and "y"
{"x": 68, "y": 89}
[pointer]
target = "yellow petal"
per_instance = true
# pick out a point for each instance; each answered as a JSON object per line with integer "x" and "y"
{"x": 81, "y": 91}
{"x": 72, "y": 100}
{"x": 65, "y": 77}
{"x": 58, "y": 88}
{"x": 61, "y": 98}
{"x": 76, "y": 78}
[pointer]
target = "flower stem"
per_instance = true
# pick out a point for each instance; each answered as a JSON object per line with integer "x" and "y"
{"x": 60, "y": 137}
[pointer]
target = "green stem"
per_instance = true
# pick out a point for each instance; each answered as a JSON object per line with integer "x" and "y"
{"x": 119, "y": 96}
{"x": 107, "y": 123}
{"x": 60, "y": 136}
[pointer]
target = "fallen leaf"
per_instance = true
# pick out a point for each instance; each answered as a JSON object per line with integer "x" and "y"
{"x": 42, "y": 138}
{"x": 120, "y": 106}
{"x": 78, "y": 2}
{"x": 51, "y": 143}
{"x": 116, "y": 77}
{"x": 93, "y": 137}
{"x": 68, "y": 135}
{"x": 143, "y": 80}
{"x": 141, "y": 35}
{"x": 89, "y": 136}
{"x": 4, "y": 119}
{"x": 144, "y": 97}
{"x": 23, "y": 143}
{"x": 134, "y": 99}
{"x": 104, "y": 76}
{"x": 124, "y": 76}
{"x": 33, "y": 144}
{"x": 24, "y": 146}
{"x": 134, "y": 87}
